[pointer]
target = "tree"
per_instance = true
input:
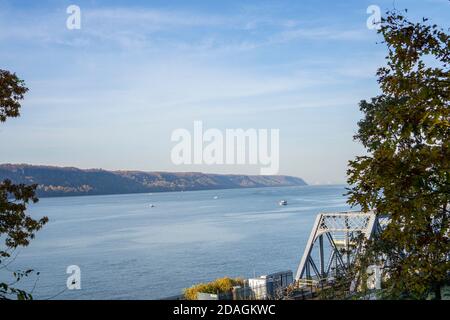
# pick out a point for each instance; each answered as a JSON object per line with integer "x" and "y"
{"x": 405, "y": 174}
{"x": 16, "y": 227}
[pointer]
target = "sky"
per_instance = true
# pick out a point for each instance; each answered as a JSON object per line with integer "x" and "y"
{"x": 109, "y": 95}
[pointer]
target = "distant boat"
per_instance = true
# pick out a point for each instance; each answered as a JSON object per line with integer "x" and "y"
{"x": 216, "y": 197}
{"x": 283, "y": 203}
{"x": 152, "y": 205}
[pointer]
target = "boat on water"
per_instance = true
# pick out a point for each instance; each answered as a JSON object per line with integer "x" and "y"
{"x": 152, "y": 205}
{"x": 283, "y": 203}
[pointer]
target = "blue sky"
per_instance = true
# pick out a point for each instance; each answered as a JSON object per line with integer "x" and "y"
{"x": 110, "y": 94}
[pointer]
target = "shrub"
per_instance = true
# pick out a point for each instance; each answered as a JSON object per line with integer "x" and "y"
{"x": 221, "y": 285}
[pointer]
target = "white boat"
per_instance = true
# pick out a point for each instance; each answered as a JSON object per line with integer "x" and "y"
{"x": 152, "y": 205}
{"x": 283, "y": 203}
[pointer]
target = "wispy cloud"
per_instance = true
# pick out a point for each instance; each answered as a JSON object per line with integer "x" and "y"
{"x": 156, "y": 29}
{"x": 154, "y": 19}
{"x": 112, "y": 92}
{"x": 321, "y": 33}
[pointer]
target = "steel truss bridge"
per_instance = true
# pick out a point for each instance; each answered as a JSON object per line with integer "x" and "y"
{"x": 331, "y": 247}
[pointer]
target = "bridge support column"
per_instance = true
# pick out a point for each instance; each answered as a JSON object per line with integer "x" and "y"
{"x": 322, "y": 257}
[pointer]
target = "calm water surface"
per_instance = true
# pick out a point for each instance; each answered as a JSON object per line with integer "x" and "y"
{"x": 128, "y": 250}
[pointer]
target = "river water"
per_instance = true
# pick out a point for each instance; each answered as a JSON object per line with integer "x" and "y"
{"x": 127, "y": 249}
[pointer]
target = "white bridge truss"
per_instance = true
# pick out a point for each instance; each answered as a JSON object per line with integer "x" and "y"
{"x": 331, "y": 238}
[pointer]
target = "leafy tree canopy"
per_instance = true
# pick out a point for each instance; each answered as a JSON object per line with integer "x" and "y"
{"x": 16, "y": 227}
{"x": 406, "y": 173}
{"x": 12, "y": 90}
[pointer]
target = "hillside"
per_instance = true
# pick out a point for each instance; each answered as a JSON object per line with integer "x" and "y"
{"x": 66, "y": 181}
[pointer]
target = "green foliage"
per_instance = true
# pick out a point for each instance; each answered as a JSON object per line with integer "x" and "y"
{"x": 12, "y": 90}
{"x": 222, "y": 285}
{"x": 16, "y": 227}
{"x": 406, "y": 172}
{"x": 7, "y": 290}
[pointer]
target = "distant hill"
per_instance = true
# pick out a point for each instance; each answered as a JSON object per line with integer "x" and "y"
{"x": 67, "y": 181}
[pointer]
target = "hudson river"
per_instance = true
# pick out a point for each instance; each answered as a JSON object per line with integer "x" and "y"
{"x": 127, "y": 249}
